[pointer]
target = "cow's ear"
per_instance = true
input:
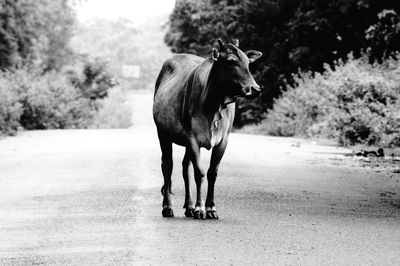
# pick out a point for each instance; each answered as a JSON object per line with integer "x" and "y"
{"x": 253, "y": 55}
{"x": 214, "y": 54}
{"x": 221, "y": 44}
{"x": 236, "y": 42}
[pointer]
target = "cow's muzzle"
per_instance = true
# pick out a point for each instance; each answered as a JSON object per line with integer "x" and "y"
{"x": 251, "y": 92}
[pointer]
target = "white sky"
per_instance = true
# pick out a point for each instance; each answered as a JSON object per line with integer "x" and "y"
{"x": 136, "y": 10}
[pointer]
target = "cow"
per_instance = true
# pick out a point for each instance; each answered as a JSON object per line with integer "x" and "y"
{"x": 194, "y": 107}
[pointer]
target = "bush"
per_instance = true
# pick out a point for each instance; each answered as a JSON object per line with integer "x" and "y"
{"x": 92, "y": 78}
{"x": 50, "y": 102}
{"x": 301, "y": 111}
{"x": 36, "y": 101}
{"x": 10, "y": 108}
{"x": 354, "y": 102}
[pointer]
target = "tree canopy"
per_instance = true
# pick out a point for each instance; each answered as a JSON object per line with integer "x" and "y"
{"x": 292, "y": 34}
{"x": 35, "y": 32}
{"x": 119, "y": 43}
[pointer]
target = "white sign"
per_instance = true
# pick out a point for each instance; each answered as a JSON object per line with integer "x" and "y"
{"x": 131, "y": 71}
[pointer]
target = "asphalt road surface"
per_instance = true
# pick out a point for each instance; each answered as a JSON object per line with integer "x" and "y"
{"x": 92, "y": 197}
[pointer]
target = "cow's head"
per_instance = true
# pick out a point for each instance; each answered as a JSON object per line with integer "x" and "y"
{"x": 233, "y": 69}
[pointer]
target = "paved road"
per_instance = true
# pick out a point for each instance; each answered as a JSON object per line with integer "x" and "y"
{"x": 92, "y": 197}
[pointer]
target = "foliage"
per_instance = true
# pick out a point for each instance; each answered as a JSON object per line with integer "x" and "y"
{"x": 384, "y": 36}
{"x": 48, "y": 101}
{"x": 291, "y": 34}
{"x": 35, "y": 101}
{"x": 119, "y": 43}
{"x": 35, "y": 32}
{"x": 92, "y": 78}
{"x": 55, "y": 100}
{"x": 115, "y": 111}
{"x": 354, "y": 103}
{"x": 36, "y": 92}
{"x": 10, "y": 107}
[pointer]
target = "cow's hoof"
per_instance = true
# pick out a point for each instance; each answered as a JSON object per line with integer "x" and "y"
{"x": 212, "y": 215}
{"x": 167, "y": 212}
{"x": 189, "y": 212}
{"x": 199, "y": 214}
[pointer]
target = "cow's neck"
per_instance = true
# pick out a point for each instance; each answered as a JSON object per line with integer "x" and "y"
{"x": 214, "y": 97}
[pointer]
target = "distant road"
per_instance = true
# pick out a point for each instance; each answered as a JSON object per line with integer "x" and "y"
{"x": 142, "y": 117}
{"x": 92, "y": 197}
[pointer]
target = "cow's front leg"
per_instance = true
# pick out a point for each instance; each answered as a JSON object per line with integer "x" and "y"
{"x": 194, "y": 152}
{"x": 216, "y": 156}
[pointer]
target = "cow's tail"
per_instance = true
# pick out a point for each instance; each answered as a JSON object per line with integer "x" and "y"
{"x": 163, "y": 190}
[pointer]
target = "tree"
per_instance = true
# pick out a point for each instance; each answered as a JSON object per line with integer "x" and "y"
{"x": 292, "y": 34}
{"x": 120, "y": 43}
{"x": 383, "y": 37}
{"x": 35, "y": 33}
{"x": 96, "y": 80}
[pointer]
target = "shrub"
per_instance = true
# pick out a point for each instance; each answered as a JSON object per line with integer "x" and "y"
{"x": 301, "y": 111}
{"x": 51, "y": 102}
{"x": 365, "y": 112}
{"x": 354, "y": 102}
{"x": 10, "y": 108}
{"x": 92, "y": 78}
{"x": 41, "y": 101}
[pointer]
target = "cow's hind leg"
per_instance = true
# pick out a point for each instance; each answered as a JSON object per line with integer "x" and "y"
{"x": 216, "y": 156}
{"x": 166, "y": 167}
{"x": 194, "y": 152}
{"x": 189, "y": 206}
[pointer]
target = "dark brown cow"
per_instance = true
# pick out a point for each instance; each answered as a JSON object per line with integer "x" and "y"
{"x": 194, "y": 105}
